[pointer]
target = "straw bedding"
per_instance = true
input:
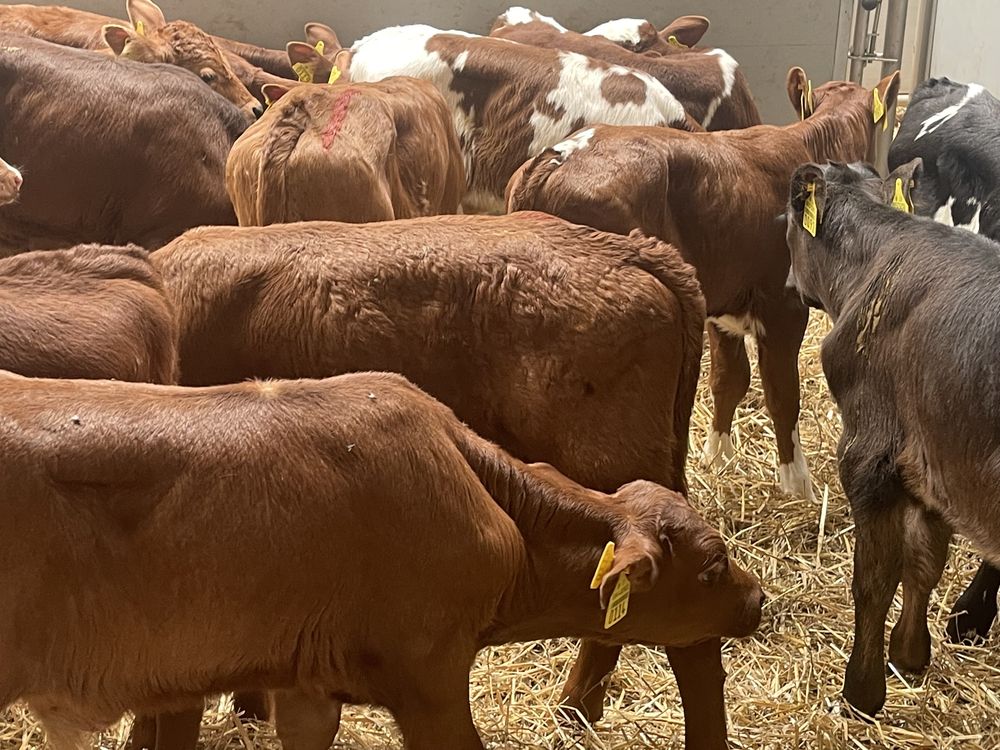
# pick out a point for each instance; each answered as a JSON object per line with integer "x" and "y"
{"x": 784, "y": 683}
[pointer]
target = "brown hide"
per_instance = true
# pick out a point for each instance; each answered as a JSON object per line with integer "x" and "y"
{"x": 89, "y": 312}
{"x": 696, "y": 78}
{"x": 359, "y": 152}
{"x": 112, "y": 491}
{"x": 108, "y": 170}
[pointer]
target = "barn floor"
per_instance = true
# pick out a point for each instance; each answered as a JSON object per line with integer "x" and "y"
{"x": 784, "y": 684}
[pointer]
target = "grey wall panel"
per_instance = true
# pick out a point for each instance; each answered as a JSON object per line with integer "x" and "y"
{"x": 965, "y": 43}
{"x": 766, "y": 36}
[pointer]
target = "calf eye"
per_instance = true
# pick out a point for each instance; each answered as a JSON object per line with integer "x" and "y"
{"x": 207, "y": 75}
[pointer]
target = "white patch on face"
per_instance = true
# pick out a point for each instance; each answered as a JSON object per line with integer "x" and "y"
{"x": 620, "y": 30}
{"x": 517, "y": 15}
{"x": 794, "y": 477}
{"x": 933, "y": 122}
{"x": 944, "y": 215}
{"x": 739, "y": 325}
{"x": 578, "y": 96}
{"x": 728, "y": 66}
{"x": 718, "y": 449}
{"x": 574, "y": 143}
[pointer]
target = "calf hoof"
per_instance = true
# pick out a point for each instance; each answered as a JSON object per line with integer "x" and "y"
{"x": 574, "y": 711}
{"x": 910, "y": 653}
{"x": 718, "y": 450}
{"x": 971, "y": 619}
{"x": 865, "y": 694}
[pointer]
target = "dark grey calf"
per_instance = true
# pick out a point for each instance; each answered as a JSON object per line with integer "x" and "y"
{"x": 913, "y": 369}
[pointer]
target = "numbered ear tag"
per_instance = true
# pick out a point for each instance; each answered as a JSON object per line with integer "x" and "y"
{"x": 140, "y": 28}
{"x": 304, "y": 72}
{"x": 618, "y": 606}
{"x": 899, "y": 199}
{"x": 878, "y": 108}
{"x": 603, "y": 565}
{"x": 320, "y": 46}
{"x": 810, "y": 215}
{"x": 334, "y": 75}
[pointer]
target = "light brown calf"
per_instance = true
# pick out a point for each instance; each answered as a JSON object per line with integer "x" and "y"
{"x": 359, "y": 152}
{"x": 716, "y": 197}
{"x": 112, "y": 491}
{"x": 150, "y": 38}
{"x": 10, "y": 183}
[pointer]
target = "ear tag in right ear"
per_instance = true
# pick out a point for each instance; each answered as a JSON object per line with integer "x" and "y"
{"x": 806, "y": 106}
{"x": 320, "y": 46}
{"x": 898, "y": 199}
{"x": 334, "y": 75}
{"x": 603, "y": 565}
{"x": 675, "y": 42}
{"x": 809, "y": 213}
{"x": 618, "y": 606}
{"x": 304, "y": 72}
{"x": 140, "y": 28}
{"x": 878, "y": 108}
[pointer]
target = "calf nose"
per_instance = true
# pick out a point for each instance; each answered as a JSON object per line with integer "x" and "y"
{"x": 18, "y": 181}
{"x": 258, "y": 110}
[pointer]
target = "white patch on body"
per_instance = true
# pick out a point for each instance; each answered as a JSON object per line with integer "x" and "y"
{"x": 933, "y": 122}
{"x": 518, "y": 15}
{"x": 620, "y": 30}
{"x": 718, "y": 449}
{"x": 794, "y": 477}
{"x": 728, "y": 66}
{"x": 574, "y": 143}
{"x": 738, "y": 325}
{"x": 578, "y": 96}
{"x": 460, "y": 61}
{"x": 944, "y": 215}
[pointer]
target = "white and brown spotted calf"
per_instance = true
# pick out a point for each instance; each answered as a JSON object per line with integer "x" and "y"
{"x": 511, "y": 101}
{"x": 358, "y": 152}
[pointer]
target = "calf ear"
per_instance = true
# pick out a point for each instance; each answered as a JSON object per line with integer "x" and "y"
{"x": 638, "y": 558}
{"x": 116, "y": 37}
{"x": 799, "y": 90}
{"x": 274, "y": 91}
{"x": 320, "y": 32}
{"x": 342, "y": 62}
{"x": 886, "y": 92}
{"x": 808, "y": 185}
{"x": 309, "y": 65}
{"x": 898, "y": 186}
{"x": 687, "y": 30}
{"x": 145, "y": 12}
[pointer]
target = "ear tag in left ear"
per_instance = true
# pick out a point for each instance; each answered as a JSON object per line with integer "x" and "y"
{"x": 618, "y": 606}
{"x": 334, "y": 75}
{"x": 320, "y": 46}
{"x": 806, "y": 105}
{"x": 304, "y": 72}
{"x": 140, "y": 28}
{"x": 878, "y": 108}
{"x": 603, "y": 565}
{"x": 675, "y": 42}
{"x": 898, "y": 199}
{"x": 809, "y": 214}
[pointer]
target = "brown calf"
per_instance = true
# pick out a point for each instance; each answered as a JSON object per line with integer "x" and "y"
{"x": 150, "y": 39}
{"x": 359, "y": 152}
{"x": 509, "y": 101}
{"x": 708, "y": 83}
{"x": 715, "y": 196}
{"x": 121, "y": 326}
{"x": 516, "y": 322}
{"x": 112, "y": 491}
{"x": 10, "y": 183}
{"x": 116, "y": 151}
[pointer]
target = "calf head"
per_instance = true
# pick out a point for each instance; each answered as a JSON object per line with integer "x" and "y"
{"x": 818, "y": 195}
{"x": 866, "y": 109}
{"x": 639, "y": 35}
{"x": 153, "y": 40}
{"x": 10, "y": 183}
{"x": 321, "y": 59}
{"x": 685, "y": 588}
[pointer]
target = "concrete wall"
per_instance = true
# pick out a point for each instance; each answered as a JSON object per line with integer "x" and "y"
{"x": 766, "y": 36}
{"x": 965, "y": 45}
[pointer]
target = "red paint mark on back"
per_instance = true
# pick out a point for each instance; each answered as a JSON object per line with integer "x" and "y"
{"x": 337, "y": 115}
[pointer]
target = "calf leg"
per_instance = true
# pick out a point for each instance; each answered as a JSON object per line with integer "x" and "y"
{"x": 583, "y": 693}
{"x": 305, "y": 721}
{"x": 143, "y": 733}
{"x": 926, "y": 538}
{"x": 878, "y": 554}
{"x": 173, "y": 731}
{"x": 252, "y": 706}
{"x": 436, "y": 714}
{"x": 784, "y": 325}
{"x": 976, "y": 609}
{"x": 701, "y": 681}
{"x": 729, "y": 380}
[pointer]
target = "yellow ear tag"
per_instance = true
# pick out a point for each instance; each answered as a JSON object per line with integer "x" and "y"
{"x": 809, "y": 213}
{"x": 304, "y": 72}
{"x": 618, "y": 606}
{"x": 334, "y": 75}
{"x": 604, "y": 565}
{"x": 898, "y": 199}
{"x": 675, "y": 42}
{"x": 140, "y": 28}
{"x": 320, "y": 46}
{"x": 806, "y": 106}
{"x": 878, "y": 108}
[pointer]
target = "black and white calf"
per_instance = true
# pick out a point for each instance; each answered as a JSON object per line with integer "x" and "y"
{"x": 955, "y": 129}
{"x": 916, "y": 458}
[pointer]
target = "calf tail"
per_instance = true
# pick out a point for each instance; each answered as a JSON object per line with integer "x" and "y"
{"x": 272, "y": 195}
{"x": 524, "y": 191}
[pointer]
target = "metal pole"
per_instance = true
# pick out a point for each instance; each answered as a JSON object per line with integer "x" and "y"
{"x": 858, "y": 44}
{"x": 922, "y": 64}
{"x": 895, "y": 30}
